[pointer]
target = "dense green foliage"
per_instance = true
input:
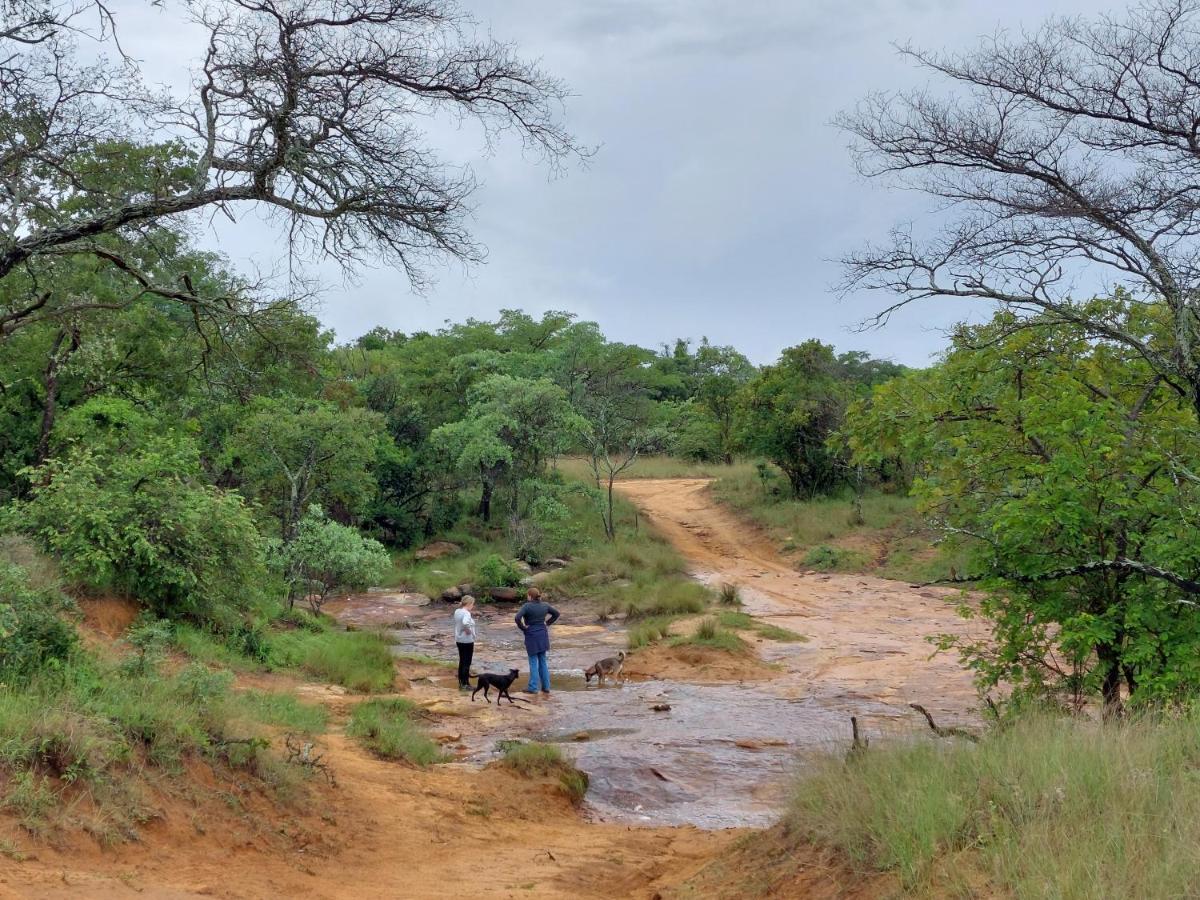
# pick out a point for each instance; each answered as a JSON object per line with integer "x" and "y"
{"x": 1064, "y": 466}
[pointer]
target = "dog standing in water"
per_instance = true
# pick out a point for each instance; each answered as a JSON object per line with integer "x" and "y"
{"x": 610, "y": 667}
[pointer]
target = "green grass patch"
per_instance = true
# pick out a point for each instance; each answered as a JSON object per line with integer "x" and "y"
{"x": 101, "y": 726}
{"x": 710, "y": 633}
{"x": 893, "y": 539}
{"x": 359, "y": 660}
{"x": 533, "y": 760}
{"x": 1047, "y": 808}
{"x": 645, "y": 632}
{"x": 385, "y": 727}
{"x": 426, "y": 659}
{"x": 775, "y": 633}
{"x": 282, "y": 710}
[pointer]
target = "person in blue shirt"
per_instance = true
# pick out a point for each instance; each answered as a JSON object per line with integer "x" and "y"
{"x": 534, "y": 618}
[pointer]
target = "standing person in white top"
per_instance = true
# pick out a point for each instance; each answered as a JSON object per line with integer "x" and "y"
{"x": 464, "y": 636}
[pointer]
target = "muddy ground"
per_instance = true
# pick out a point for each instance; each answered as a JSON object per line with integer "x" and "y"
{"x": 672, "y": 790}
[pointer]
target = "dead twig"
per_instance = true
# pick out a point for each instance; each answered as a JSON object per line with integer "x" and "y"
{"x": 944, "y": 732}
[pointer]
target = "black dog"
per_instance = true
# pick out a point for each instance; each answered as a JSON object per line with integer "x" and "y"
{"x": 500, "y": 682}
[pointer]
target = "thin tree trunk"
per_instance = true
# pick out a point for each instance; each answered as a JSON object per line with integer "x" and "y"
{"x": 50, "y": 382}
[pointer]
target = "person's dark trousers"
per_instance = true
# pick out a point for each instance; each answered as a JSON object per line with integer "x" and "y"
{"x": 465, "y": 653}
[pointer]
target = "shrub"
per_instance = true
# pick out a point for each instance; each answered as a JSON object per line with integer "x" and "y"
{"x": 385, "y": 727}
{"x": 140, "y": 521}
{"x": 497, "y": 572}
{"x": 730, "y": 595}
{"x": 822, "y": 557}
{"x": 324, "y": 555}
{"x": 33, "y": 636}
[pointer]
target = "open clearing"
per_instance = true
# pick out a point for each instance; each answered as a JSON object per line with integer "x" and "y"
{"x": 393, "y": 830}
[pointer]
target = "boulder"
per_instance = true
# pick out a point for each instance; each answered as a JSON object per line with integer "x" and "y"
{"x": 452, "y": 594}
{"x": 504, "y": 594}
{"x": 537, "y": 578}
{"x": 598, "y": 578}
{"x": 437, "y": 550}
{"x": 555, "y": 563}
{"x": 464, "y": 589}
{"x": 521, "y": 566}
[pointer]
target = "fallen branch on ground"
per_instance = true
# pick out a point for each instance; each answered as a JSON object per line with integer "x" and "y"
{"x": 944, "y": 732}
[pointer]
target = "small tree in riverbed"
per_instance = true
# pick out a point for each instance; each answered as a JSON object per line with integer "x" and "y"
{"x": 325, "y": 555}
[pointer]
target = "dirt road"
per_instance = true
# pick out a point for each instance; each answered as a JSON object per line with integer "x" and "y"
{"x": 867, "y": 636}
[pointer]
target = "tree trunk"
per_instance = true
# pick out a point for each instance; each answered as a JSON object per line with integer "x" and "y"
{"x": 1110, "y": 689}
{"x": 50, "y": 382}
{"x": 609, "y": 525}
{"x": 485, "y": 501}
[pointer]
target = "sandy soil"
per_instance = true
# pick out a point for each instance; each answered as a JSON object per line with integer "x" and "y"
{"x": 385, "y": 830}
{"x": 867, "y": 637}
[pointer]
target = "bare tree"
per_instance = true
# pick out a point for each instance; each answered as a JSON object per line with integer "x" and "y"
{"x": 1063, "y": 156}
{"x": 310, "y": 109}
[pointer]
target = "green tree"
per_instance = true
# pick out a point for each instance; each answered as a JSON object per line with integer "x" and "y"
{"x": 324, "y": 556}
{"x": 790, "y": 410}
{"x": 513, "y": 426}
{"x": 288, "y": 453}
{"x": 133, "y": 515}
{"x": 1066, "y": 466}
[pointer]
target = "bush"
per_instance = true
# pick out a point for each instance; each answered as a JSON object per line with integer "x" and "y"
{"x": 33, "y": 636}
{"x": 324, "y": 555}
{"x": 547, "y": 530}
{"x": 140, "y": 521}
{"x": 497, "y": 572}
{"x": 730, "y": 595}
{"x": 385, "y": 727}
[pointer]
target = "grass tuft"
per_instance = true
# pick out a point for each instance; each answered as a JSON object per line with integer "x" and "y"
{"x": 534, "y": 759}
{"x": 385, "y": 727}
{"x": 709, "y": 633}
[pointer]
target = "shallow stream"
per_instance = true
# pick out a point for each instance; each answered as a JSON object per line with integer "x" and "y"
{"x": 710, "y": 755}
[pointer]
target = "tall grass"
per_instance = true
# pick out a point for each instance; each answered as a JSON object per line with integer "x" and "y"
{"x": 647, "y": 631}
{"x": 1048, "y": 808}
{"x": 359, "y": 660}
{"x": 96, "y": 726}
{"x": 710, "y": 633}
{"x": 385, "y": 727}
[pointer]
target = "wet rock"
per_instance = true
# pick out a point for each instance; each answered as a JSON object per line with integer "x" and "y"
{"x": 437, "y": 550}
{"x": 504, "y": 594}
{"x": 452, "y": 594}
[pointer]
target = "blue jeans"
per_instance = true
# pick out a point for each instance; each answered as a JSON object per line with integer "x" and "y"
{"x": 539, "y": 673}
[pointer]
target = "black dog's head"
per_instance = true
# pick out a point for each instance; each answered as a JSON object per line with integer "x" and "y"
{"x": 513, "y": 673}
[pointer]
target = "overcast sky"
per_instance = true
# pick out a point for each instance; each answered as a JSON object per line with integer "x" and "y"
{"x": 720, "y": 197}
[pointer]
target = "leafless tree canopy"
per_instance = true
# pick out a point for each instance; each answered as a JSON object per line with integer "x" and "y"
{"x": 1072, "y": 149}
{"x": 314, "y": 109}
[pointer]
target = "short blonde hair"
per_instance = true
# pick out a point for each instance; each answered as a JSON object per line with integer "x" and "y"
{"x": 468, "y": 600}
